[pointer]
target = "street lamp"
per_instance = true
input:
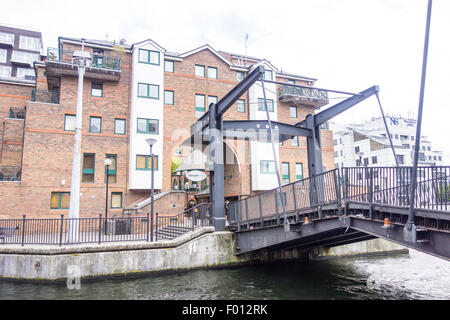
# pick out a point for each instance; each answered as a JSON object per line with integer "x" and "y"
{"x": 108, "y": 162}
{"x": 151, "y": 142}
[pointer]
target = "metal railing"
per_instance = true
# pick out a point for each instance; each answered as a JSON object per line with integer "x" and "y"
{"x": 61, "y": 231}
{"x": 45, "y": 96}
{"x": 97, "y": 60}
{"x": 10, "y": 173}
{"x": 372, "y": 185}
{"x": 296, "y": 196}
{"x": 302, "y": 92}
{"x": 391, "y": 186}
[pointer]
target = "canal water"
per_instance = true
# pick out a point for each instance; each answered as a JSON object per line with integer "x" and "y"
{"x": 404, "y": 276}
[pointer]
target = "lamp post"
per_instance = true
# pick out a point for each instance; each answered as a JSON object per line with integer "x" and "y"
{"x": 108, "y": 162}
{"x": 151, "y": 142}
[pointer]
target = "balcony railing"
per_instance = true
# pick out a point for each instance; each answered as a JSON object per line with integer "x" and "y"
{"x": 98, "y": 60}
{"x": 10, "y": 173}
{"x": 45, "y": 96}
{"x": 311, "y": 96}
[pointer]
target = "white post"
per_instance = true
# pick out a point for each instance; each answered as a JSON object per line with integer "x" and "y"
{"x": 74, "y": 209}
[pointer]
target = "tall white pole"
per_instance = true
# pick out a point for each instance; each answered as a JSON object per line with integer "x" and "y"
{"x": 74, "y": 209}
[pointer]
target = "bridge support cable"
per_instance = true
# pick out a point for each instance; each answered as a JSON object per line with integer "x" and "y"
{"x": 410, "y": 230}
{"x": 275, "y": 158}
{"x": 387, "y": 129}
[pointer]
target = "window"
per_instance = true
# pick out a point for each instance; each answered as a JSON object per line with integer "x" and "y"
{"x": 396, "y": 136}
{"x": 291, "y": 81}
{"x": 335, "y": 142}
{"x": 440, "y": 158}
{"x": 88, "y": 167}
{"x": 199, "y": 71}
{"x": 23, "y": 72}
{"x": 3, "y": 53}
{"x": 358, "y": 163}
{"x": 293, "y": 111}
{"x": 5, "y": 71}
{"x": 366, "y": 161}
{"x": 60, "y": 200}
{"x": 285, "y": 172}
{"x": 434, "y": 158}
{"x": 116, "y": 200}
{"x": 168, "y": 66}
{"x": 268, "y": 75}
{"x": 144, "y": 162}
{"x": 421, "y": 156}
{"x": 168, "y": 97}
{"x": 335, "y": 154}
{"x": 294, "y": 141}
{"x": 146, "y": 90}
{"x": 97, "y": 89}
{"x": 147, "y": 126}
{"x": 212, "y": 73}
{"x": 97, "y": 59}
{"x": 25, "y": 57}
{"x": 200, "y": 102}
{"x": 429, "y": 148}
{"x": 212, "y": 99}
{"x": 149, "y": 56}
{"x": 267, "y": 166}
{"x": 69, "y": 122}
{"x": 119, "y": 126}
{"x": 239, "y": 76}
{"x": 29, "y": 43}
{"x": 299, "y": 171}
{"x": 240, "y": 105}
{"x": 95, "y": 124}
{"x": 261, "y": 105}
{"x": 112, "y": 170}
{"x": 6, "y": 38}
{"x": 374, "y": 160}
{"x": 400, "y": 159}
{"x": 342, "y": 153}
{"x": 406, "y": 146}
{"x": 412, "y": 138}
{"x": 356, "y": 149}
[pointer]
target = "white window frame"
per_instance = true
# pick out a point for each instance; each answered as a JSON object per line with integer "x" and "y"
{"x": 30, "y": 43}
{"x": 3, "y": 73}
{"x": 3, "y": 54}
{"x": 7, "y": 38}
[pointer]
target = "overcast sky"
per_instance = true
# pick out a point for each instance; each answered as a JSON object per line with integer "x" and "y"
{"x": 347, "y": 45}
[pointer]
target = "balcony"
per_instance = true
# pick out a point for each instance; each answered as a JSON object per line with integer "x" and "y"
{"x": 45, "y": 96}
{"x": 10, "y": 173}
{"x": 100, "y": 67}
{"x": 303, "y": 96}
{"x": 24, "y": 58}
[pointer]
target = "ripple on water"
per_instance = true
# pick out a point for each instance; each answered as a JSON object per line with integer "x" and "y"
{"x": 413, "y": 276}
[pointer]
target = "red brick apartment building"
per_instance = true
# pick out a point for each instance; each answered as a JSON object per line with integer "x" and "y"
{"x": 131, "y": 93}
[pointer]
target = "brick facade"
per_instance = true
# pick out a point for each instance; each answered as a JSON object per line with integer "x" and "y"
{"x": 48, "y": 147}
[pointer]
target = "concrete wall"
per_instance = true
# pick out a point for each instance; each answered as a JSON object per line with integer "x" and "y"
{"x": 200, "y": 249}
{"x": 375, "y": 246}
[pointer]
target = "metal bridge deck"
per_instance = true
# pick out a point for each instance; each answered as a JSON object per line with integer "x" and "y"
{"x": 348, "y": 205}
